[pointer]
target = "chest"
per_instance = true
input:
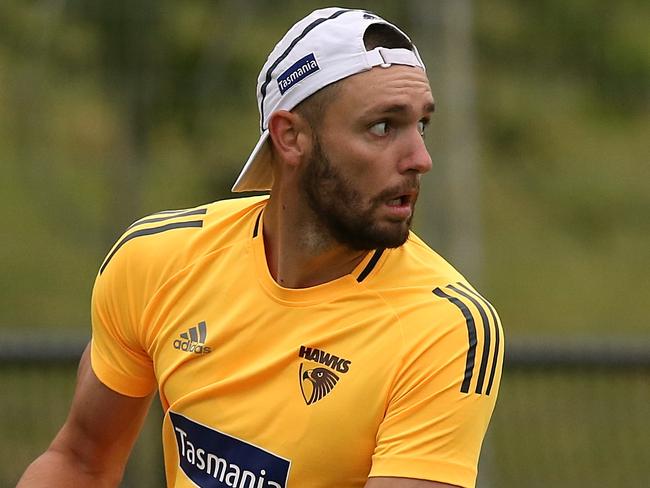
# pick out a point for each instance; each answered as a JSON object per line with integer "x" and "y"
{"x": 307, "y": 383}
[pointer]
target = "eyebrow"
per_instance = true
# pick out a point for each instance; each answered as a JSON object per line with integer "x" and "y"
{"x": 398, "y": 108}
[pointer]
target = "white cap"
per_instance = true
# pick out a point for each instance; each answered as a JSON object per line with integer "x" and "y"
{"x": 324, "y": 47}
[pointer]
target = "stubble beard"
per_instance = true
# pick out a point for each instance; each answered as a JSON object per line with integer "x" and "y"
{"x": 340, "y": 210}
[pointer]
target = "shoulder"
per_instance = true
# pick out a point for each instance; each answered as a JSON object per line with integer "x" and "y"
{"x": 425, "y": 273}
{"x": 434, "y": 303}
{"x": 411, "y": 272}
{"x": 165, "y": 242}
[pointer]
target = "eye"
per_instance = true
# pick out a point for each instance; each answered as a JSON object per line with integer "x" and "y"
{"x": 380, "y": 129}
{"x": 422, "y": 126}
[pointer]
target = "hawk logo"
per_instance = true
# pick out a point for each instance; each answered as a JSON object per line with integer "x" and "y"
{"x": 316, "y": 383}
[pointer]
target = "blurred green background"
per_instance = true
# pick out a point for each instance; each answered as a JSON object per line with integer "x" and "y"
{"x": 110, "y": 110}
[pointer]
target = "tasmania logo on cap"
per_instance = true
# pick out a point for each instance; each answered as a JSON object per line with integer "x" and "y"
{"x": 297, "y": 71}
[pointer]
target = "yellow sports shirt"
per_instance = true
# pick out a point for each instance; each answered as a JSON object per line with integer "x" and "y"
{"x": 392, "y": 370}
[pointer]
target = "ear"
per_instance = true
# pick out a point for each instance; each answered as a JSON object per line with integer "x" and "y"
{"x": 291, "y": 136}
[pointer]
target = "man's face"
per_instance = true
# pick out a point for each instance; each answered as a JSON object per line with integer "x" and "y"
{"x": 363, "y": 175}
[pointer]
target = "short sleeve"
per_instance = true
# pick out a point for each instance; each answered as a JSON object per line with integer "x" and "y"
{"x": 445, "y": 391}
{"x": 118, "y": 355}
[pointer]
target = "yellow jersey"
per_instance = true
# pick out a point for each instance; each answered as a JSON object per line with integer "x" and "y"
{"x": 392, "y": 370}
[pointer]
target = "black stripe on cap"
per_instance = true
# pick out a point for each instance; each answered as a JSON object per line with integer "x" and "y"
{"x": 471, "y": 335}
{"x": 148, "y": 232}
{"x": 371, "y": 265}
{"x": 282, "y": 56}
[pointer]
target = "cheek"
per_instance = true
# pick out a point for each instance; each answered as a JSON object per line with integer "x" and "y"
{"x": 358, "y": 162}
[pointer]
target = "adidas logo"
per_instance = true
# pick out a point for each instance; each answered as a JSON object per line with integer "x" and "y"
{"x": 194, "y": 340}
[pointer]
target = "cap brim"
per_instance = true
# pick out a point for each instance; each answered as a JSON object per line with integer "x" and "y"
{"x": 257, "y": 174}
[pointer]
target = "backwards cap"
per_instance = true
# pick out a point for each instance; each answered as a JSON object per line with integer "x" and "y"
{"x": 324, "y": 47}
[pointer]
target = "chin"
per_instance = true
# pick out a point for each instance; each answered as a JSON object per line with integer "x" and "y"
{"x": 374, "y": 238}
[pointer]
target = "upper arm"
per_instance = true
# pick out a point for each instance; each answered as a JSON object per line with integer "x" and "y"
{"x": 404, "y": 483}
{"x": 102, "y": 425}
{"x": 119, "y": 348}
{"x": 444, "y": 391}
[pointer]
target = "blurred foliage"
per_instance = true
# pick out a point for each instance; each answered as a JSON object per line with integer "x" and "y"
{"x": 112, "y": 109}
{"x": 27, "y": 428}
{"x": 564, "y": 105}
{"x": 565, "y": 428}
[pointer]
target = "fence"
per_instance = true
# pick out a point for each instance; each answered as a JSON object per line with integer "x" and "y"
{"x": 570, "y": 413}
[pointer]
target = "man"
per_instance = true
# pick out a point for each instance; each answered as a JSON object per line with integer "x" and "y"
{"x": 306, "y": 339}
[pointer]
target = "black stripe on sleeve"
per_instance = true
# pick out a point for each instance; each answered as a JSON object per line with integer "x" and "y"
{"x": 497, "y": 336}
{"x": 269, "y": 72}
{"x": 148, "y": 232}
{"x": 169, "y": 212}
{"x": 471, "y": 334}
{"x": 485, "y": 356}
{"x": 197, "y": 211}
{"x": 163, "y": 212}
{"x": 370, "y": 266}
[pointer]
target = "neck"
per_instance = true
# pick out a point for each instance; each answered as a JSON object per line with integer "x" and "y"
{"x": 300, "y": 253}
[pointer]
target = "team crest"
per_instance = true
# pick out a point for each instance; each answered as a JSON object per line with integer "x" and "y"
{"x": 317, "y": 382}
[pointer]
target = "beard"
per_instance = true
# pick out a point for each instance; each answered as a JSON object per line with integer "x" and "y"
{"x": 342, "y": 210}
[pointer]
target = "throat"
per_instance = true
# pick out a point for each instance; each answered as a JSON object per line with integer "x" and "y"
{"x": 308, "y": 261}
{"x": 318, "y": 271}
{"x": 299, "y": 250}
{"x": 313, "y": 241}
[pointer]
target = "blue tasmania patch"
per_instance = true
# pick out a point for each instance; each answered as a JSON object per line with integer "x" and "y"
{"x": 212, "y": 459}
{"x": 297, "y": 71}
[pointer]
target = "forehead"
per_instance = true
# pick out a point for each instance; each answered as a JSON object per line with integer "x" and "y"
{"x": 378, "y": 87}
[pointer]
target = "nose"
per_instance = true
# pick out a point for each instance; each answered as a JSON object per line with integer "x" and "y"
{"x": 415, "y": 156}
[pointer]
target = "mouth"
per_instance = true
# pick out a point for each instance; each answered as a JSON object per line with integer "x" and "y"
{"x": 402, "y": 199}
{"x": 400, "y": 206}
